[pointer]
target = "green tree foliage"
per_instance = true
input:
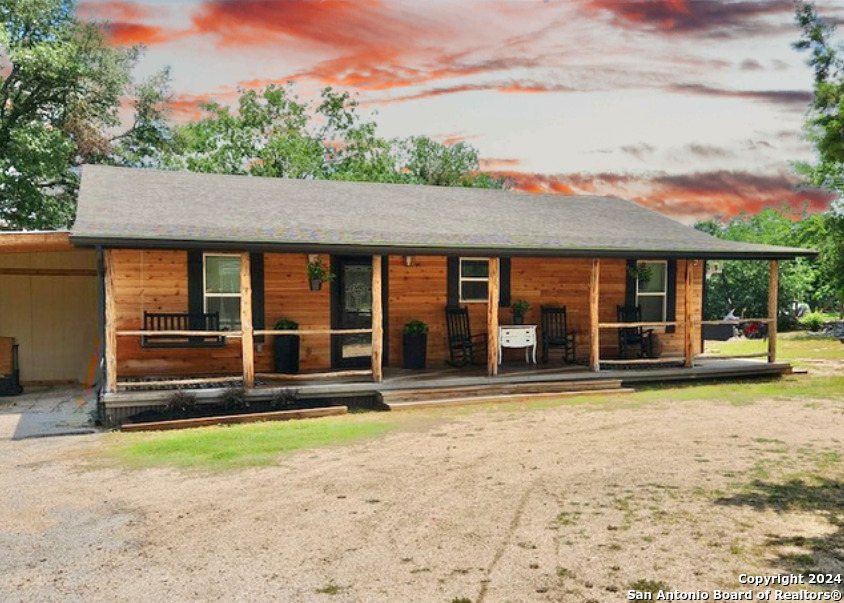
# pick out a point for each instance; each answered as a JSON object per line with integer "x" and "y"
{"x": 273, "y": 133}
{"x": 742, "y": 285}
{"x": 59, "y": 103}
{"x": 824, "y": 127}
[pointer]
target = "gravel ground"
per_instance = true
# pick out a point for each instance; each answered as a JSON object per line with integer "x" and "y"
{"x": 567, "y": 503}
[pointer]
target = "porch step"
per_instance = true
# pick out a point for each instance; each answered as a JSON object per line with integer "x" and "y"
{"x": 408, "y": 398}
{"x": 441, "y": 402}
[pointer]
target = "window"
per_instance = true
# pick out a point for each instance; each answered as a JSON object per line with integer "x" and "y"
{"x": 221, "y": 288}
{"x": 652, "y": 293}
{"x": 474, "y": 279}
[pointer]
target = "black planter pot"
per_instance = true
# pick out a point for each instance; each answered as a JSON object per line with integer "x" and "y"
{"x": 518, "y": 319}
{"x": 316, "y": 284}
{"x": 286, "y": 353}
{"x": 415, "y": 351}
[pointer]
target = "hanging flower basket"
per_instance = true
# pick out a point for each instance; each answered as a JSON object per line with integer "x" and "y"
{"x": 318, "y": 273}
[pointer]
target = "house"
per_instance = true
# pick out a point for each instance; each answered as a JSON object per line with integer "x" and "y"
{"x": 189, "y": 244}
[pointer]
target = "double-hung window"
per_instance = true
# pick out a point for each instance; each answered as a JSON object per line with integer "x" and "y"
{"x": 221, "y": 290}
{"x": 652, "y": 292}
{"x": 474, "y": 279}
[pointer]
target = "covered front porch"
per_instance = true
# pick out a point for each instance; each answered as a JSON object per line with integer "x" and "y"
{"x": 417, "y": 289}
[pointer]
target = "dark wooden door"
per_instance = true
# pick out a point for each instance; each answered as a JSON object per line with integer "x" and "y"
{"x": 351, "y": 308}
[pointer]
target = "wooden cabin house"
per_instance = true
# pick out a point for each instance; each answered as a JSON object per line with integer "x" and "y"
{"x": 181, "y": 247}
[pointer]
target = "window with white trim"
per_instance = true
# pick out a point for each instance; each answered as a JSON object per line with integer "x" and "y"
{"x": 474, "y": 279}
{"x": 652, "y": 293}
{"x": 221, "y": 288}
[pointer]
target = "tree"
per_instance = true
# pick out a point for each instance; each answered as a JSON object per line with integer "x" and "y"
{"x": 742, "y": 285}
{"x": 59, "y": 103}
{"x": 272, "y": 133}
{"x": 824, "y": 127}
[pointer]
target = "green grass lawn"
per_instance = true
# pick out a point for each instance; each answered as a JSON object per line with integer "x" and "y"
{"x": 796, "y": 347}
{"x": 255, "y": 444}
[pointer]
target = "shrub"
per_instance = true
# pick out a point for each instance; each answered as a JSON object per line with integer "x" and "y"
{"x": 180, "y": 401}
{"x": 285, "y": 324}
{"x": 415, "y": 327}
{"x": 813, "y": 321}
{"x": 234, "y": 398}
{"x": 284, "y": 398}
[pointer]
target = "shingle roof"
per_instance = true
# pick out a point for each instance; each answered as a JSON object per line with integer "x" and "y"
{"x": 152, "y": 208}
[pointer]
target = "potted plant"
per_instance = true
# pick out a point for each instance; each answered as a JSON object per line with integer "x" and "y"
{"x": 520, "y": 308}
{"x": 286, "y": 347}
{"x": 415, "y": 345}
{"x": 318, "y": 273}
{"x": 641, "y": 272}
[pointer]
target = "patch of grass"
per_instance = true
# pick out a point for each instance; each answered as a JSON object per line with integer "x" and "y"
{"x": 792, "y": 347}
{"x": 746, "y": 392}
{"x": 331, "y": 589}
{"x": 568, "y": 518}
{"x": 564, "y": 572}
{"x": 461, "y": 600}
{"x": 255, "y": 444}
{"x": 649, "y": 586}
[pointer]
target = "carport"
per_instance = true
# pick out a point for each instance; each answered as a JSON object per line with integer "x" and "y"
{"x": 48, "y": 303}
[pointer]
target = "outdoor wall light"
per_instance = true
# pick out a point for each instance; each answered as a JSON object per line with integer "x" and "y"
{"x": 408, "y": 260}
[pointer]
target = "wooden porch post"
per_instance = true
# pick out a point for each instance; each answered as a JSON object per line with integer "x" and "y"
{"x": 594, "y": 330}
{"x": 110, "y": 323}
{"x": 773, "y": 288}
{"x": 492, "y": 317}
{"x": 688, "y": 344}
{"x": 247, "y": 338}
{"x": 377, "y": 322}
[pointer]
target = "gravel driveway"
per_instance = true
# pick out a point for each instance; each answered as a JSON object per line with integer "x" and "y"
{"x": 564, "y": 503}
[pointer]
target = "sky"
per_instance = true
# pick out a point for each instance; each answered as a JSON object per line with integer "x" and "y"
{"x": 693, "y": 108}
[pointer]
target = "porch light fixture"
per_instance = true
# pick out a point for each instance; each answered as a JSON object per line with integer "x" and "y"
{"x": 408, "y": 260}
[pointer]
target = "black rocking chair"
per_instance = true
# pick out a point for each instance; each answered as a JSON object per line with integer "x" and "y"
{"x": 633, "y": 340}
{"x": 462, "y": 345}
{"x": 555, "y": 333}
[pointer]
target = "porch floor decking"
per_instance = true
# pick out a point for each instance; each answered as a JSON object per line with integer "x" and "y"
{"x": 554, "y": 377}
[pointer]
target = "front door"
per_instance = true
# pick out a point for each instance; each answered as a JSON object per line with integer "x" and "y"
{"x": 351, "y": 308}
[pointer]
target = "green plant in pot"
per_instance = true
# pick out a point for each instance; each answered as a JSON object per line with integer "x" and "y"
{"x": 415, "y": 345}
{"x": 286, "y": 347}
{"x": 318, "y": 273}
{"x": 520, "y": 307}
{"x": 641, "y": 272}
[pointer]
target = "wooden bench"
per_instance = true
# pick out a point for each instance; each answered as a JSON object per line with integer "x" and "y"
{"x": 181, "y": 321}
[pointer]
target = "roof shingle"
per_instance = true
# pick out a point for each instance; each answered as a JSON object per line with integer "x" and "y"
{"x": 152, "y": 208}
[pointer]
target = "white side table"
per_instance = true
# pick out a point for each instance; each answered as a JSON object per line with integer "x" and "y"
{"x": 518, "y": 336}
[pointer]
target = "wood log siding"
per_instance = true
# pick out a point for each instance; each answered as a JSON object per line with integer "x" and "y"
{"x": 157, "y": 281}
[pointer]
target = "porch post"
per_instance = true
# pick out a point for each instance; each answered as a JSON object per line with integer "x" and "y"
{"x": 247, "y": 338}
{"x": 594, "y": 338}
{"x": 688, "y": 345}
{"x": 377, "y": 321}
{"x": 110, "y": 323}
{"x": 773, "y": 287}
{"x": 492, "y": 317}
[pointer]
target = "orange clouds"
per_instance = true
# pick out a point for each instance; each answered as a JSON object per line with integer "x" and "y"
{"x": 136, "y": 33}
{"x": 123, "y": 23}
{"x": 687, "y": 197}
{"x": 332, "y": 23}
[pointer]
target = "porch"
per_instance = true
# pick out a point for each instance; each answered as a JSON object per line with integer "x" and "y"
{"x": 445, "y": 385}
{"x": 416, "y": 288}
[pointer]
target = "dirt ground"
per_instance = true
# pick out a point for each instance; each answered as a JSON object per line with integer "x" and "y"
{"x": 564, "y": 503}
